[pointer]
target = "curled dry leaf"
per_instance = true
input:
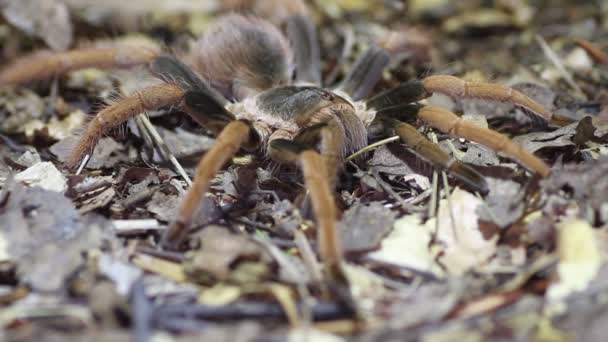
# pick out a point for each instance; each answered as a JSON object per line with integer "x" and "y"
{"x": 579, "y": 258}
{"x": 539, "y": 140}
{"x": 226, "y": 256}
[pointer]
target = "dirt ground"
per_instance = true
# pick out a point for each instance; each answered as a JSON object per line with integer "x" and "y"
{"x": 427, "y": 255}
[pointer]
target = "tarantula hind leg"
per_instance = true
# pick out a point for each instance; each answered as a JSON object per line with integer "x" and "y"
{"x": 46, "y": 64}
{"x": 459, "y": 88}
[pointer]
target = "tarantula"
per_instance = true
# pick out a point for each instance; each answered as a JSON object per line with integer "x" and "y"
{"x": 241, "y": 85}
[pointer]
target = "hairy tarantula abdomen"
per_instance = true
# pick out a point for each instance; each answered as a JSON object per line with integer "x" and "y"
{"x": 242, "y": 55}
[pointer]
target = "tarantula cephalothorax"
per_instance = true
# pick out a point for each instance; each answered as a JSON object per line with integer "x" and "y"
{"x": 242, "y": 89}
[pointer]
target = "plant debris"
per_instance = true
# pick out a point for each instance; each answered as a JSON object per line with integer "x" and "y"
{"x": 424, "y": 254}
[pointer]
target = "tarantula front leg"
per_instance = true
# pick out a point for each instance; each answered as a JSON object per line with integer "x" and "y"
{"x": 431, "y": 152}
{"x": 459, "y": 88}
{"x": 182, "y": 88}
{"x": 450, "y": 123}
{"x": 227, "y": 143}
{"x": 46, "y": 64}
{"x": 396, "y": 101}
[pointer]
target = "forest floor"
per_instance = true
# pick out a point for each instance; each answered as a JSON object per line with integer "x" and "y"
{"x": 426, "y": 257}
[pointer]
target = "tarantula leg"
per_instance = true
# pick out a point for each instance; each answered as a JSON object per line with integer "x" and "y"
{"x": 365, "y": 73}
{"x": 330, "y": 137}
{"x": 598, "y": 55}
{"x": 150, "y": 98}
{"x": 303, "y": 36}
{"x": 450, "y": 123}
{"x": 438, "y": 157}
{"x": 226, "y": 145}
{"x": 405, "y": 92}
{"x": 171, "y": 70}
{"x": 316, "y": 177}
{"x": 43, "y": 65}
{"x": 459, "y": 88}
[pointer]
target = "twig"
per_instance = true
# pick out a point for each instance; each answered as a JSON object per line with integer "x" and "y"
{"x": 164, "y": 149}
{"x": 372, "y": 146}
{"x": 128, "y": 226}
{"x": 82, "y": 165}
{"x": 448, "y": 197}
{"x": 309, "y": 257}
{"x": 386, "y": 187}
{"x": 552, "y": 56}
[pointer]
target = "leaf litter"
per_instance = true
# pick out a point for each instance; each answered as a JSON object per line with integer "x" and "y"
{"x": 79, "y": 254}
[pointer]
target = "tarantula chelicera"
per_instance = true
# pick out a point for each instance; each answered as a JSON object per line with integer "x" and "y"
{"x": 259, "y": 90}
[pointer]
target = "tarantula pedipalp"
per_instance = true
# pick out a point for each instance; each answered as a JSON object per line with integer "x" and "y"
{"x": 246, "y": 95}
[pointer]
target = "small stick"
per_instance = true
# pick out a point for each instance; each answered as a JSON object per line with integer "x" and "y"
{"x": 393, "y": 194}
{"x": 84, "y": 163}
{"x": 448, "y": 197}
{"x": 552, "y": 56}
{"x": 145, "y": 135}
{"x": 372, "y": 146}
{"x": 128, "y": 225}
{"x": 308, "y": 255}
{"x": 163, "y": 148}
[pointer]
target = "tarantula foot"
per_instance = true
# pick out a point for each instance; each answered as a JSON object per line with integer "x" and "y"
{"x": 174, "y": 236}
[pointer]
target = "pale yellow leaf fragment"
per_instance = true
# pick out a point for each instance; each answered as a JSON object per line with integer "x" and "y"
{"x": 219, "y": 294}
{"x": 284, "y": 296}
{"x": 579, "y": 258}
{"x": 161, "y": 267}
{"x": 408, "y": 246}
{"x": 311, "y": 334}
{"x": 458, "y": 235}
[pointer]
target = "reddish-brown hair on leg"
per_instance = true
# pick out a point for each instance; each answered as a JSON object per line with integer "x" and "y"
{"x": 226, "y": 145}
{"x": 450, "y": 123}
{"x": 46, "y": 64}
{"x": 316, "y": 178}
{"x": 150, "y": 98}
{"x": 598, "y": 55}
{"x": 459, "y": 88}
